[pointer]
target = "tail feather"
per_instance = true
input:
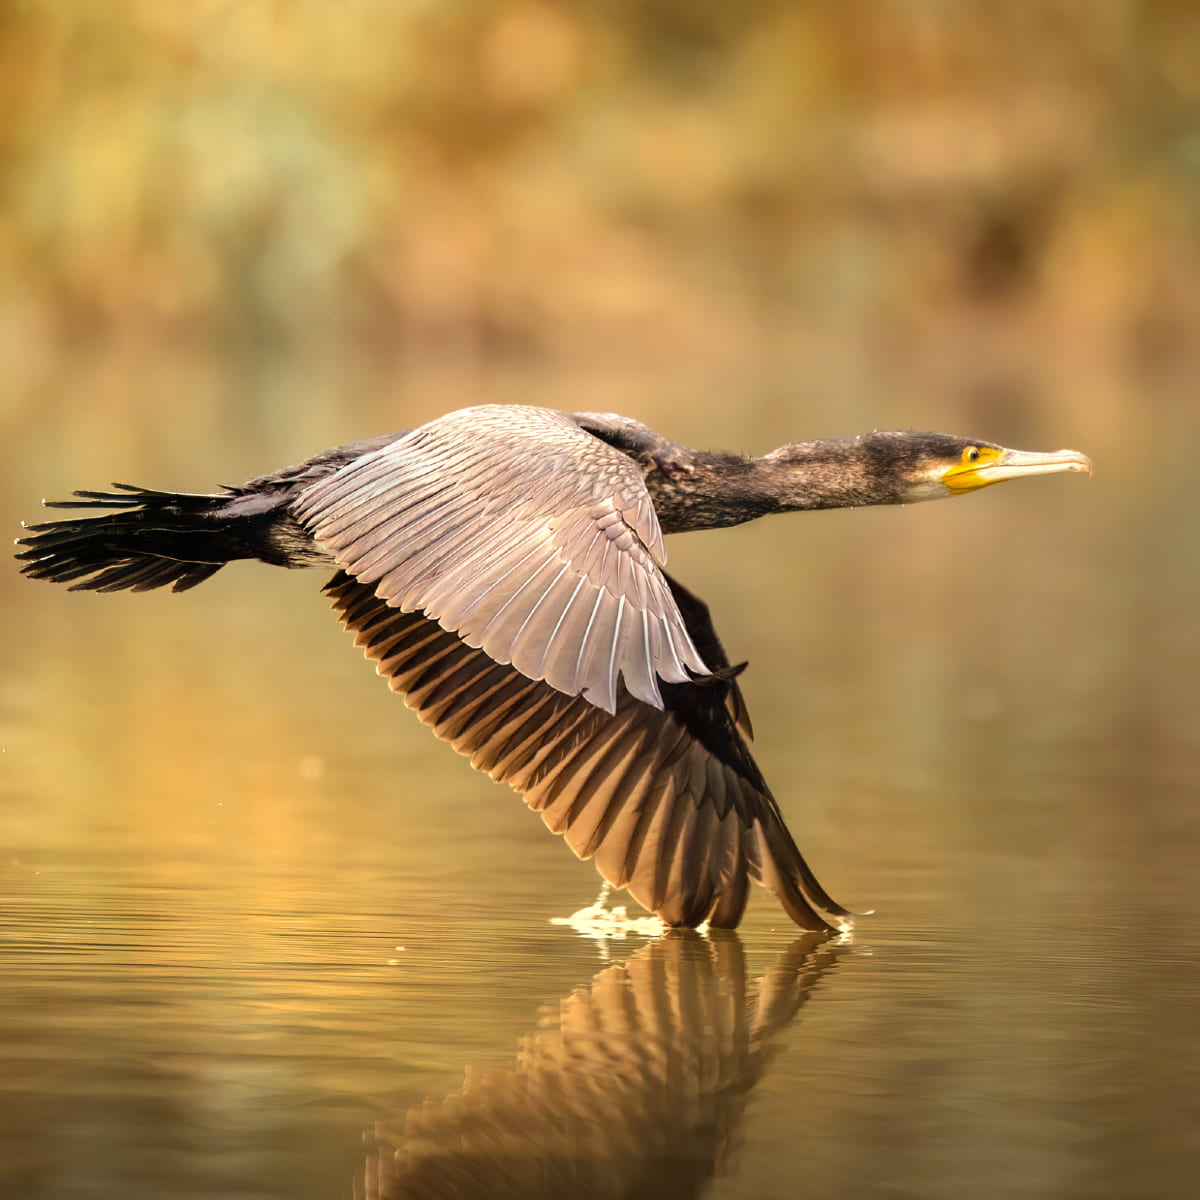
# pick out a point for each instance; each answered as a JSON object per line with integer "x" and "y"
{"x": 137, "y": 540}
{"x": 128, "y": 495}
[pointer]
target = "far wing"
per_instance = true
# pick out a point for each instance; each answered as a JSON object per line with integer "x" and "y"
{"x": 524, "y": 535}
{"x": 667, "y": 801}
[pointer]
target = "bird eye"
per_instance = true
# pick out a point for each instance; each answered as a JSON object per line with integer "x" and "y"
{"x": 971, "y": 454}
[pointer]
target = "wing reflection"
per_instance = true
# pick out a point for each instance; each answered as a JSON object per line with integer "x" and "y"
{"x": 635, "y": 1088}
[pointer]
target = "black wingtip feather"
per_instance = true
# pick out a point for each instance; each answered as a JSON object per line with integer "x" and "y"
{"x": 651, "y": 769}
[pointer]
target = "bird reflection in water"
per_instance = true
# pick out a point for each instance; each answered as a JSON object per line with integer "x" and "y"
{"x": 636, "y": 1086}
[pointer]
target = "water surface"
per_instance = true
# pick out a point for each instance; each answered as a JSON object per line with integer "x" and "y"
{"x": 264, "y": 937}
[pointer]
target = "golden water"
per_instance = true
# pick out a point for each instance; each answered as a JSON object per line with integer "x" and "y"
{"x": 263, "y": 936}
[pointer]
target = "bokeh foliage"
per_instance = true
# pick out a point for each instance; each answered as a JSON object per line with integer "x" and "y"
{"x": 565, "y": 179}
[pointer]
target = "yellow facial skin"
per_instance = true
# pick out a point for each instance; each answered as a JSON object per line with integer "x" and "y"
{"x": 981, "y": 466}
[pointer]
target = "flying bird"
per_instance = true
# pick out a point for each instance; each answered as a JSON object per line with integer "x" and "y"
{"x": 504, "y": 569}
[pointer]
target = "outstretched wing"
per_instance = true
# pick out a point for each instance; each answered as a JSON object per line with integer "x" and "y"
{"x": 667, "y": 801}
{"x": 525, "y": 536}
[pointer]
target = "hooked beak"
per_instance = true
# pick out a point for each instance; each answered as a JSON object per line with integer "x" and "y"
{"x": 1012, "y": 464}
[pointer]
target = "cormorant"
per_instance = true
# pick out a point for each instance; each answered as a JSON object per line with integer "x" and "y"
{"x": 502, "y": 566}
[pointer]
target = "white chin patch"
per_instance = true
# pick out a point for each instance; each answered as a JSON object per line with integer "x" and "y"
{"x": 931, "y": 488}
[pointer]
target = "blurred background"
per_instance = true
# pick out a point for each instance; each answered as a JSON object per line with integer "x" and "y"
{"x": 278, "y": 218}
{"x": 233, "y": 234}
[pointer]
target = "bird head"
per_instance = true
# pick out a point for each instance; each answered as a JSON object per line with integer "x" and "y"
{"x": 927, "y": 466}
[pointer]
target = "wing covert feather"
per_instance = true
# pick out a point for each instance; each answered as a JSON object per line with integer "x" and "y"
{"x": 524, "y": 535}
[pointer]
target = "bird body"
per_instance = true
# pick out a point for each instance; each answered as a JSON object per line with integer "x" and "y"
{"x": 504, "y": 569}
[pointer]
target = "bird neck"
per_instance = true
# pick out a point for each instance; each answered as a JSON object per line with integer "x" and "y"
{"x": 701, "y": 490}
{"x": 833, "y": 473}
